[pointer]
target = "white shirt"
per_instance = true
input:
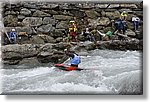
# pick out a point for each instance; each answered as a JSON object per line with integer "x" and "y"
{"x": 135, "y": 19}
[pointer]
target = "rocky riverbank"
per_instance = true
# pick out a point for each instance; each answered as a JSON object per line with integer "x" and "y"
{"x": 52, "y": 19}
{"x": 45, "y": 53}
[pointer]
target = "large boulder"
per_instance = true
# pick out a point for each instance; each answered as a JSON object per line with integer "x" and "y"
{"x": 49, "y": 20}
{"x": 10, "y": 20}
{"x": 45, "y": 28}
{"x": 39, "y": 13}
{"x": 62, "y": 17}
{"x": 32, "y": 21}
{"x": 15, "y": 52}
{"x": 25, "y": 12}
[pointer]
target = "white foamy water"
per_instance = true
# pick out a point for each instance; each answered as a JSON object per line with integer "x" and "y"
{"x": 109, "y": 72}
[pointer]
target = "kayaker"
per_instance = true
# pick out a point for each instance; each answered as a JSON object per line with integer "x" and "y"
{"x": 74, "y": 58}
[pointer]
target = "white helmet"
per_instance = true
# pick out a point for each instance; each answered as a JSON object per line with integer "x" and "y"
{"x": 13, "y": 29}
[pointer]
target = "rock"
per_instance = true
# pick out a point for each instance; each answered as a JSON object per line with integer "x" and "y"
{"x": 16, "y": 52}
{"x": 114, "y": 6}
{"x": 25, "y": 12}
{"x": 37, "y": 40}
{"x": 10, "y": 20}
{"x": 80, "y": 13}
{"x": 49, "y": 20}
{"x": 130, "y": 25}
{"x": 50, "y": 6}
{"x": 113, "y": 15}
{"x": 101, "y": 5}
{"x": 129, "y": 17}
{"x": 21, "y": 17}
{"x": 91, "y": 13}
{"x": 47, "y": 39}
{"x": 62, "y": 17}
{"x": 32, "y": 21}
{"x": 58, "y": 33}
{"x": 103, "y": 21}
{"x": 130, "y": 33}
{"x": 59, "y": 39}
{"x": 24, "y": 29}
{"x": 62, "y": 25}
{"x": 128, "y": 6}
{"x": 39, "y": 13}
{"x": 10, "y": 13}
{"x": 52, "y": 12}
{"x": 32, "y": 62}
{"x": 45, "y": 28}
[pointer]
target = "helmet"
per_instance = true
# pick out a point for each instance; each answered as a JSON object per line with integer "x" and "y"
{"x": 72, "y": 21}
{"x": 124, "y": 12}
{"x": 13, "y": 29}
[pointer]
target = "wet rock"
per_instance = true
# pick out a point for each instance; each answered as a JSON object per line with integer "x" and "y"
{"x": 39, "y": 13}
{"x": 32, "y": 21}
{"x": 49, "y": 20}
{"x": 25, "y": 12}
{"x": 16, "y": 52}
{"x": 45, "y": 28}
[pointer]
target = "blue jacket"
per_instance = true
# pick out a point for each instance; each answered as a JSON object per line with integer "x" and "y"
{"x": 12, "y": 35}
{"x": 75, "y": 60}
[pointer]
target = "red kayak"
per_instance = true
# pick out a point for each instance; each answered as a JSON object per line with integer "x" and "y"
{"x": 67, "y": 68}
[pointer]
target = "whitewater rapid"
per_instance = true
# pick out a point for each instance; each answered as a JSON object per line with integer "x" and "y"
{"x": 109, "y": 72}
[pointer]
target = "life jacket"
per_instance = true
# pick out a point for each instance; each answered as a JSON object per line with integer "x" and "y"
{"x": 75, "y": 60}
{"x": 119, "y": 24}
{"x": 12, "y": 35}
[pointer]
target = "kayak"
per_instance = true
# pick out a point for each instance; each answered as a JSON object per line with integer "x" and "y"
{"x": 67, "y": 68}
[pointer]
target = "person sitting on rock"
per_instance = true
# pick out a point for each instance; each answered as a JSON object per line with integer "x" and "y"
{"x": 75, "y": 58}
{"x": 136, "y": 22}
{"x": 105, "y": 37}
{"x": 13, "y": 36}
{"x": 72, "y": 31}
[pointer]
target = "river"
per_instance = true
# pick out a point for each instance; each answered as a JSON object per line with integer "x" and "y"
{"x": 110, "y": 72}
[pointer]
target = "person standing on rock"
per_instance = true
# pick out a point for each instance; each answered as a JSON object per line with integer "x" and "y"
{"x": 74, "y": 58}
{"x": 13, "y": 36}
{"x": 136, "y": 22}
{"x": 72, "y": 31}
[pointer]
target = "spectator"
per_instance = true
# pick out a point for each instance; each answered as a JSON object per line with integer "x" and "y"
{"x": 136, "y": 22}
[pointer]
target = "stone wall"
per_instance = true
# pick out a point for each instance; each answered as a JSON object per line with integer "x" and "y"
{"x": 52, "y": 18}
